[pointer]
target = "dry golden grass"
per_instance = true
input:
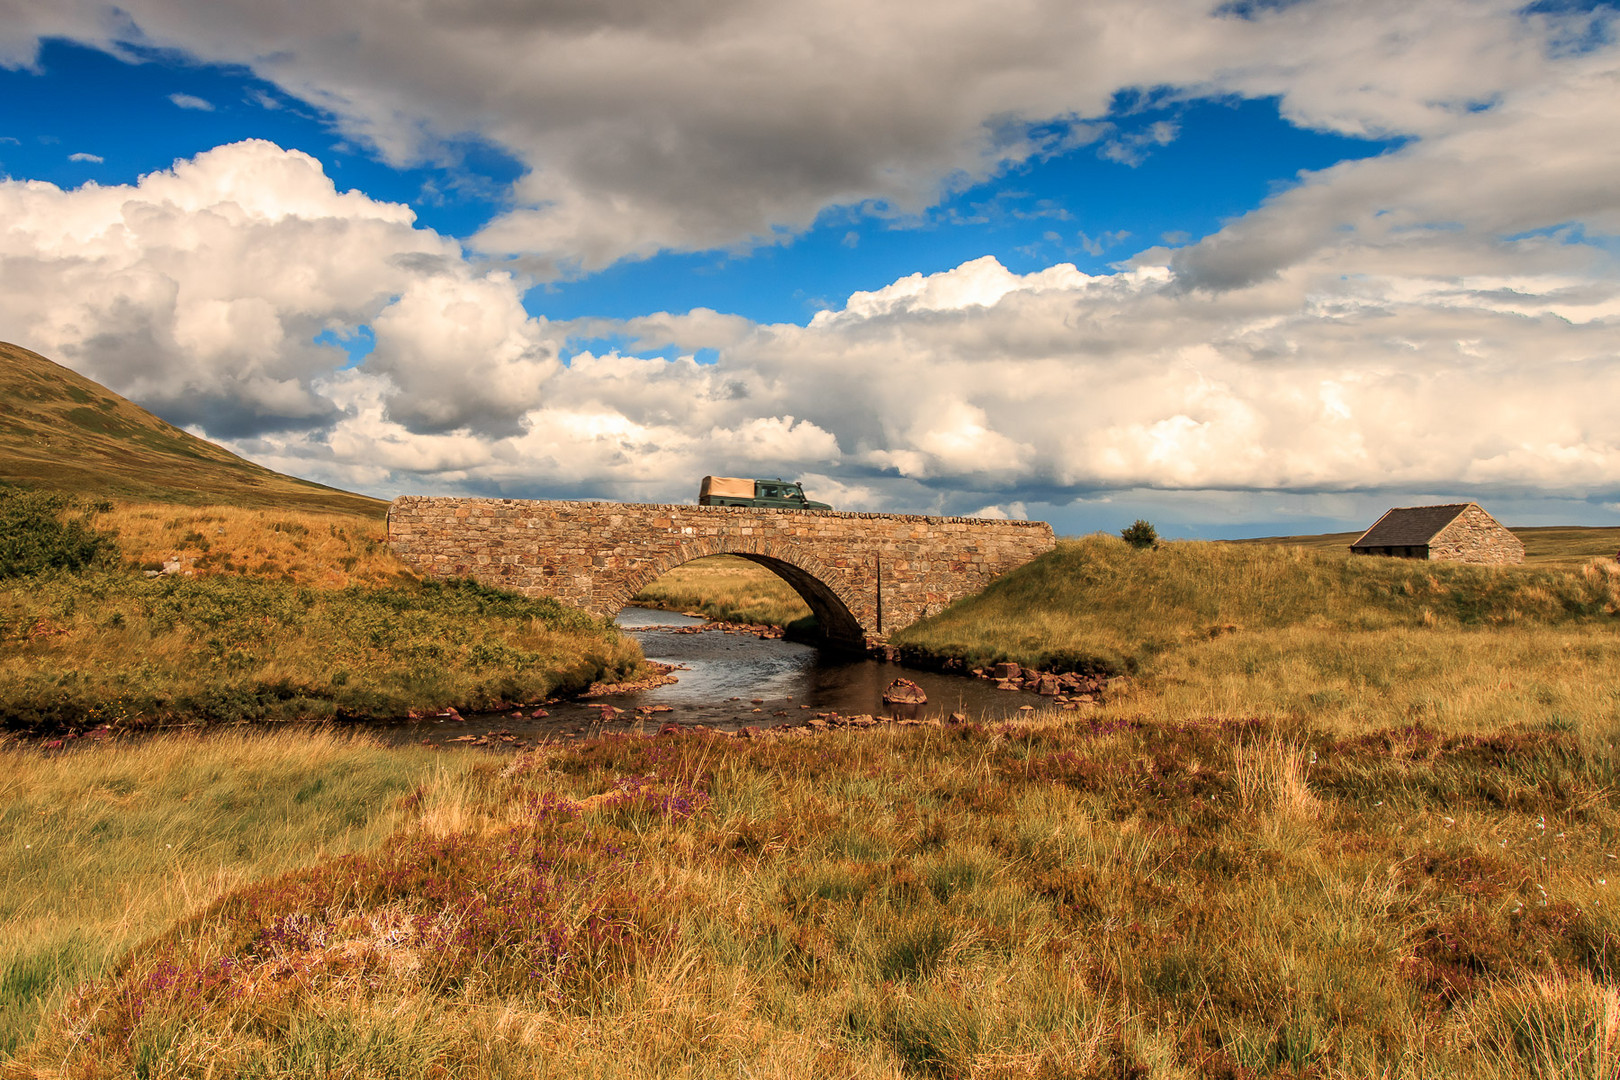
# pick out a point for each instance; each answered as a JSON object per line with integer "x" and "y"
{"x": 726, "y": 587}
{"x": 1098, "y": 603}
{"x": 104, "y": 847}
{"x": 1107, "y": 897}
{"x": 325, "y": 550}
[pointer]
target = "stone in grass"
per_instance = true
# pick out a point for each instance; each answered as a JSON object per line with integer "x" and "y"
{"x": 1005, "y": 671}
{"x": 904, "y": 692}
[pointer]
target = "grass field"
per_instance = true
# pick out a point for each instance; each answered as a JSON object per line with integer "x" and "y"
{"x": 1351, "y": 818}
{"x": 102, "y": 849}
{"x": 1097, "y": 603}
{"x": 1111, "y": 897}
{"x": 324, "y": 549}
{"x": 1560, "y": 546}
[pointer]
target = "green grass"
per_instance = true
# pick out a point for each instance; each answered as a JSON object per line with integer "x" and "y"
{"x": 1096, "y": 603}
{"x": 1545, "y": 546}
{"x": 63, "y": 432}
{"x": 116, "y": 648}
{"x": 85, "y": 641}
{"x": 104, "y": 847}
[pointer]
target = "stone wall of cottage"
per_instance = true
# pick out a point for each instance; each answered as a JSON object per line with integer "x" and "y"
{"x": 864, "y": 575}
{"x": 1476, "y": 537}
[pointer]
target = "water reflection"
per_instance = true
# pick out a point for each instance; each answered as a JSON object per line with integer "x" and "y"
{"x": 726, "y": 681}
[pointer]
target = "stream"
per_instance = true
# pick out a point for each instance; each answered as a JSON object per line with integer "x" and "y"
{"x": 726, "y": 680}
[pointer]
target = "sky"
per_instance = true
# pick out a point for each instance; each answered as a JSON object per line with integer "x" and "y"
{"x": 1246, "y": 268}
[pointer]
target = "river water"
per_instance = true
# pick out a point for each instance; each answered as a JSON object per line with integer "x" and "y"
{"x": 725, "y": 681}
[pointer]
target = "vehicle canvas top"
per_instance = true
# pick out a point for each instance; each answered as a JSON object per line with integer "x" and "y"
{"x": 777, "y": 494}
{"x": 727, "y": 487}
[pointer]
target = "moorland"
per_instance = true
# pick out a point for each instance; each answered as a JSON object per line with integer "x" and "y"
{"x": 1343, "y": 818}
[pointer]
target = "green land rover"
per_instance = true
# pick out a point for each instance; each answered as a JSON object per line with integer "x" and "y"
{"x": 777, "y": 494}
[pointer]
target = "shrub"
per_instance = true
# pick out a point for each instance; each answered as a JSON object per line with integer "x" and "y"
{"x": 37, "y": 533}
{"x": 1140, "y": 535}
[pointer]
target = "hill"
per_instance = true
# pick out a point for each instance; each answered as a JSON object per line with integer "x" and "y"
{"x": 62, "y": 431}
{"x": 1096, "y": 603}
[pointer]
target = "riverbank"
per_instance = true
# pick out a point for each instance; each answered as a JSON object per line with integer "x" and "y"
{"x": 1098, "y": 605}
{"x": 187, "y": 616}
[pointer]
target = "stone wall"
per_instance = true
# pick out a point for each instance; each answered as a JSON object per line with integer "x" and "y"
{"x": 1475, "y": 537}
{"x": 864, "y": 575}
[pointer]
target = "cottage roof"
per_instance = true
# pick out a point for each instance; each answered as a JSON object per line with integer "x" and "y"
{"x": 1410, "y": 526}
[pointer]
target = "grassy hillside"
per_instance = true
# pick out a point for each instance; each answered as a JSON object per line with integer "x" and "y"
{"x": 1097, "y": 602}
{"x": 59, "y": 430}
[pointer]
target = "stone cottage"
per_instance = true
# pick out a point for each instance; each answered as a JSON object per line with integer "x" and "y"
{"x": 1458, "y": 532}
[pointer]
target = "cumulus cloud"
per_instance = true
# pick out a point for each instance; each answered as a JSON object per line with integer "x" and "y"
{"x": 200, "y": 291}
{"x": 1442, "y": 318}
{"x": 649, "y": 125}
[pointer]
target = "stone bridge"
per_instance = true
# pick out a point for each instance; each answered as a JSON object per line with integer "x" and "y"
{"x": 864, "y": 575}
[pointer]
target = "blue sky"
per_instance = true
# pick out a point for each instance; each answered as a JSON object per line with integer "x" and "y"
{"x": 1076, "y": 206}
{"x": 1326, "y": 256}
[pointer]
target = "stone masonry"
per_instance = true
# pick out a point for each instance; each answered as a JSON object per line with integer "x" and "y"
{"x": 1452, "y": 532}
{"x": 864, "y": 575}
{"x": 1475, "y": 537}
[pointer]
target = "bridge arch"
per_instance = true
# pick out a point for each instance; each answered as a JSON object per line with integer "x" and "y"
{"x": 865, "y": 575}
{"x": 817, "y": 585}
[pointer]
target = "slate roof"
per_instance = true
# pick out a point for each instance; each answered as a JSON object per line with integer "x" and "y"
{"x": 1410, "y": 526}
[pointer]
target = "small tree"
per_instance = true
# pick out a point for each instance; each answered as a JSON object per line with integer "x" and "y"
{"x": 1140, "y": 535}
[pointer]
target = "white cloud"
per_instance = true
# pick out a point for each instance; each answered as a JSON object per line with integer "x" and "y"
{"x": 1444, "y": 318}
{"x": 200, "y": 290}
{"x": 698, "y": 124}
{"x": 191, "y": 101}
{"x": 97, "y": 159}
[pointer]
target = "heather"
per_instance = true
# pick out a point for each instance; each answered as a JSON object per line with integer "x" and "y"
{"x": 1111, "y": 895}
{"x": 107, "y": 845}
{"x": 42, "y": 530}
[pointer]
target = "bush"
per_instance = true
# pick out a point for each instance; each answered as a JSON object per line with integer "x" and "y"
{"x": 37, "y": 533}
{"x": 1140, "y": 535}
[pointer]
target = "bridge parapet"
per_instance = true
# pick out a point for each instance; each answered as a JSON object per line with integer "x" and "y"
{"x": 864, "y": 575}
